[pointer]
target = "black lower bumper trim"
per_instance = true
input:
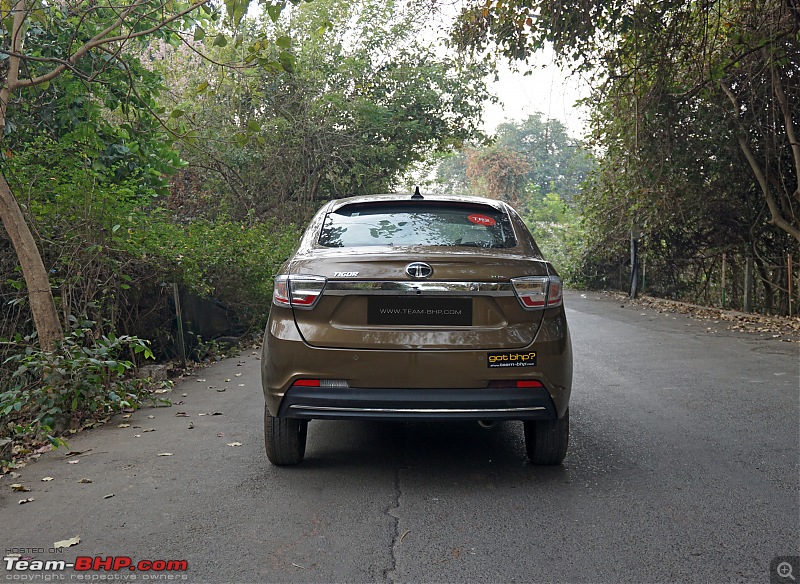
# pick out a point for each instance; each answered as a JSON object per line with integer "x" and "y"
{"x": 405, "y": 404}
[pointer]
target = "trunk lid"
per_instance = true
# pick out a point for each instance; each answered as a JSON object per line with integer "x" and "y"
{"x": 371, "y": 301}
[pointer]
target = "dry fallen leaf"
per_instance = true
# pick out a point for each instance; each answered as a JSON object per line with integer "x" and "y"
{"x": 184, "y": 394}
{"x": 191, "y": 426}
{"x": 68, "y": 542}
{"x": 84, "y": 481}
{"x": 126, "y": 416}
{"x": 221, "y": 390}
{"x": 149, "y": 430}
{"x": 238, "y": 375}
{"x": 241, "y": 385}
{"x": 181, "y": 415}
{"x": 124, "y": 426}
{"x": 227, "y": 381}
{"x": 28, "y": 500}
{"x": 47, "y": 479}
{"x": 76, "y": 461}
{"x": 234, "y": 443}
{"x": 19, "y": 487}
{"x": 108, "y": 496}
{"x": 165, "y": 454}
{"x": 220, "y": 434}
{"x": 137, "y": 435}
{"x": 150, "y": 417}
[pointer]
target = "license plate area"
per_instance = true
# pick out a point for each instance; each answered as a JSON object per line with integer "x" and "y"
{"x": 419, "y": 311}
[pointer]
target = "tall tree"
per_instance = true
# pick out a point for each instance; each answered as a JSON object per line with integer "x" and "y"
{"x": 88, "y": 40}
{"x": 739, "y": 57}
{"x": 558, "y": 163}
{"x": 550, "y": 159}
{"x": 498, "y": 173}
{"x": 363, "y": 99}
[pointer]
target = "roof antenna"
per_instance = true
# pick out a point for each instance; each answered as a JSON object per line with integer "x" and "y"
{"x": 417, "y": 194}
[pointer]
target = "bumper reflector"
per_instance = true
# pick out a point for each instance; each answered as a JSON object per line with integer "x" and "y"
{"x": 333, "y": 383}
{"x": 306, "y": 383}
{"x": 519, "y": 383}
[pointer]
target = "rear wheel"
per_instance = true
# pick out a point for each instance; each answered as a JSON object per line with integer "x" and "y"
{"x": 284, "y": 439}
{"x": 547, "y": 440}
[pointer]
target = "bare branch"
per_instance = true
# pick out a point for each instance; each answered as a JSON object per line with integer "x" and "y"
{"x": 789, "y": 124}
{"x": 776, "y": 217}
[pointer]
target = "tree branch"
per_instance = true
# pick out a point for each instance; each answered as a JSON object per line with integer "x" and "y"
{"x": 776, "y": 217}
{"x": 102, "y": 39}
{"x": 13, "y": 61}
{"x": 789, "y": 125}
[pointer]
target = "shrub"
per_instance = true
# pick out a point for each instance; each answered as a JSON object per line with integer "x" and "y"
{"x": 85, "y": 378}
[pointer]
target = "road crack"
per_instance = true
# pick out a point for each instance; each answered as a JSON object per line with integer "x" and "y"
{"x": 393, "y": 511}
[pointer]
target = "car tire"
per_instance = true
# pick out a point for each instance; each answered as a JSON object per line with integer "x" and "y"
{"x": 284, "y": 439}
{"x": 547, "y": 440}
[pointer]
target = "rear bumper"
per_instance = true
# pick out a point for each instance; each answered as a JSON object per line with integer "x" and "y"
{"x": 418, "y": 403}
{"x": 405, "y": 380}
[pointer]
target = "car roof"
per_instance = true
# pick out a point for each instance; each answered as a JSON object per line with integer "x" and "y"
{"x": 407, "y": 197}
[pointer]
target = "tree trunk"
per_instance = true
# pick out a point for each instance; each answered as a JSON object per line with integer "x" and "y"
{"x": 40, "y": 295}
{"x": 43, "y": 308}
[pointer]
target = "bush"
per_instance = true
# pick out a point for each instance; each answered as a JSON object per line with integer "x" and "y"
{"x": 232, "y": 262}
{"x": 558, "y": 233}
{"x": 85, "y": 378}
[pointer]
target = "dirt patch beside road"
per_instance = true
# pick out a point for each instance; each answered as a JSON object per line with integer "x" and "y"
{"x": 780, "y": 328}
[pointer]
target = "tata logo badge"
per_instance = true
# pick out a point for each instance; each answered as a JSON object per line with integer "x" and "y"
{"x": 419, "y": 270}
{"x": 345, "y": 274}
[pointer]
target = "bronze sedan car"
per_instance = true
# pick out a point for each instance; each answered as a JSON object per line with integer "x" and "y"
{"x": 408, "y": 307}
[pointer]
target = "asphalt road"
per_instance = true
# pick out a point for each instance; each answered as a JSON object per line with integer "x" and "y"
{"x": 683, "y": 467}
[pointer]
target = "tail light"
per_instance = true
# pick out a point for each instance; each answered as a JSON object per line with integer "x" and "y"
{"x": 298, "y": 291}
{"x": 538, "y": 292}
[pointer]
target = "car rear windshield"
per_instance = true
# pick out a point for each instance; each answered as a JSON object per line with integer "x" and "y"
{"x": 417, "y": 224}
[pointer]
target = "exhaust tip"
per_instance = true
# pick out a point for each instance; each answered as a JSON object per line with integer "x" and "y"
{"x": 486, "y": 424}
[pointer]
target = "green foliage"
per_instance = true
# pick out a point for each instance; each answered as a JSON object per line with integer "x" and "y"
{"x": 558, "y": 232}
{"x": 557, "y": 162}
{"x": 86, "y": 377}
{"x": 362, "y": 101}
{"x": 87, "y": 156}
{"x": 695, "y": 112}
{"x": 550, "y": 160}
{"x": 231, "y": 261}
{"x": 109, "y": 248}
